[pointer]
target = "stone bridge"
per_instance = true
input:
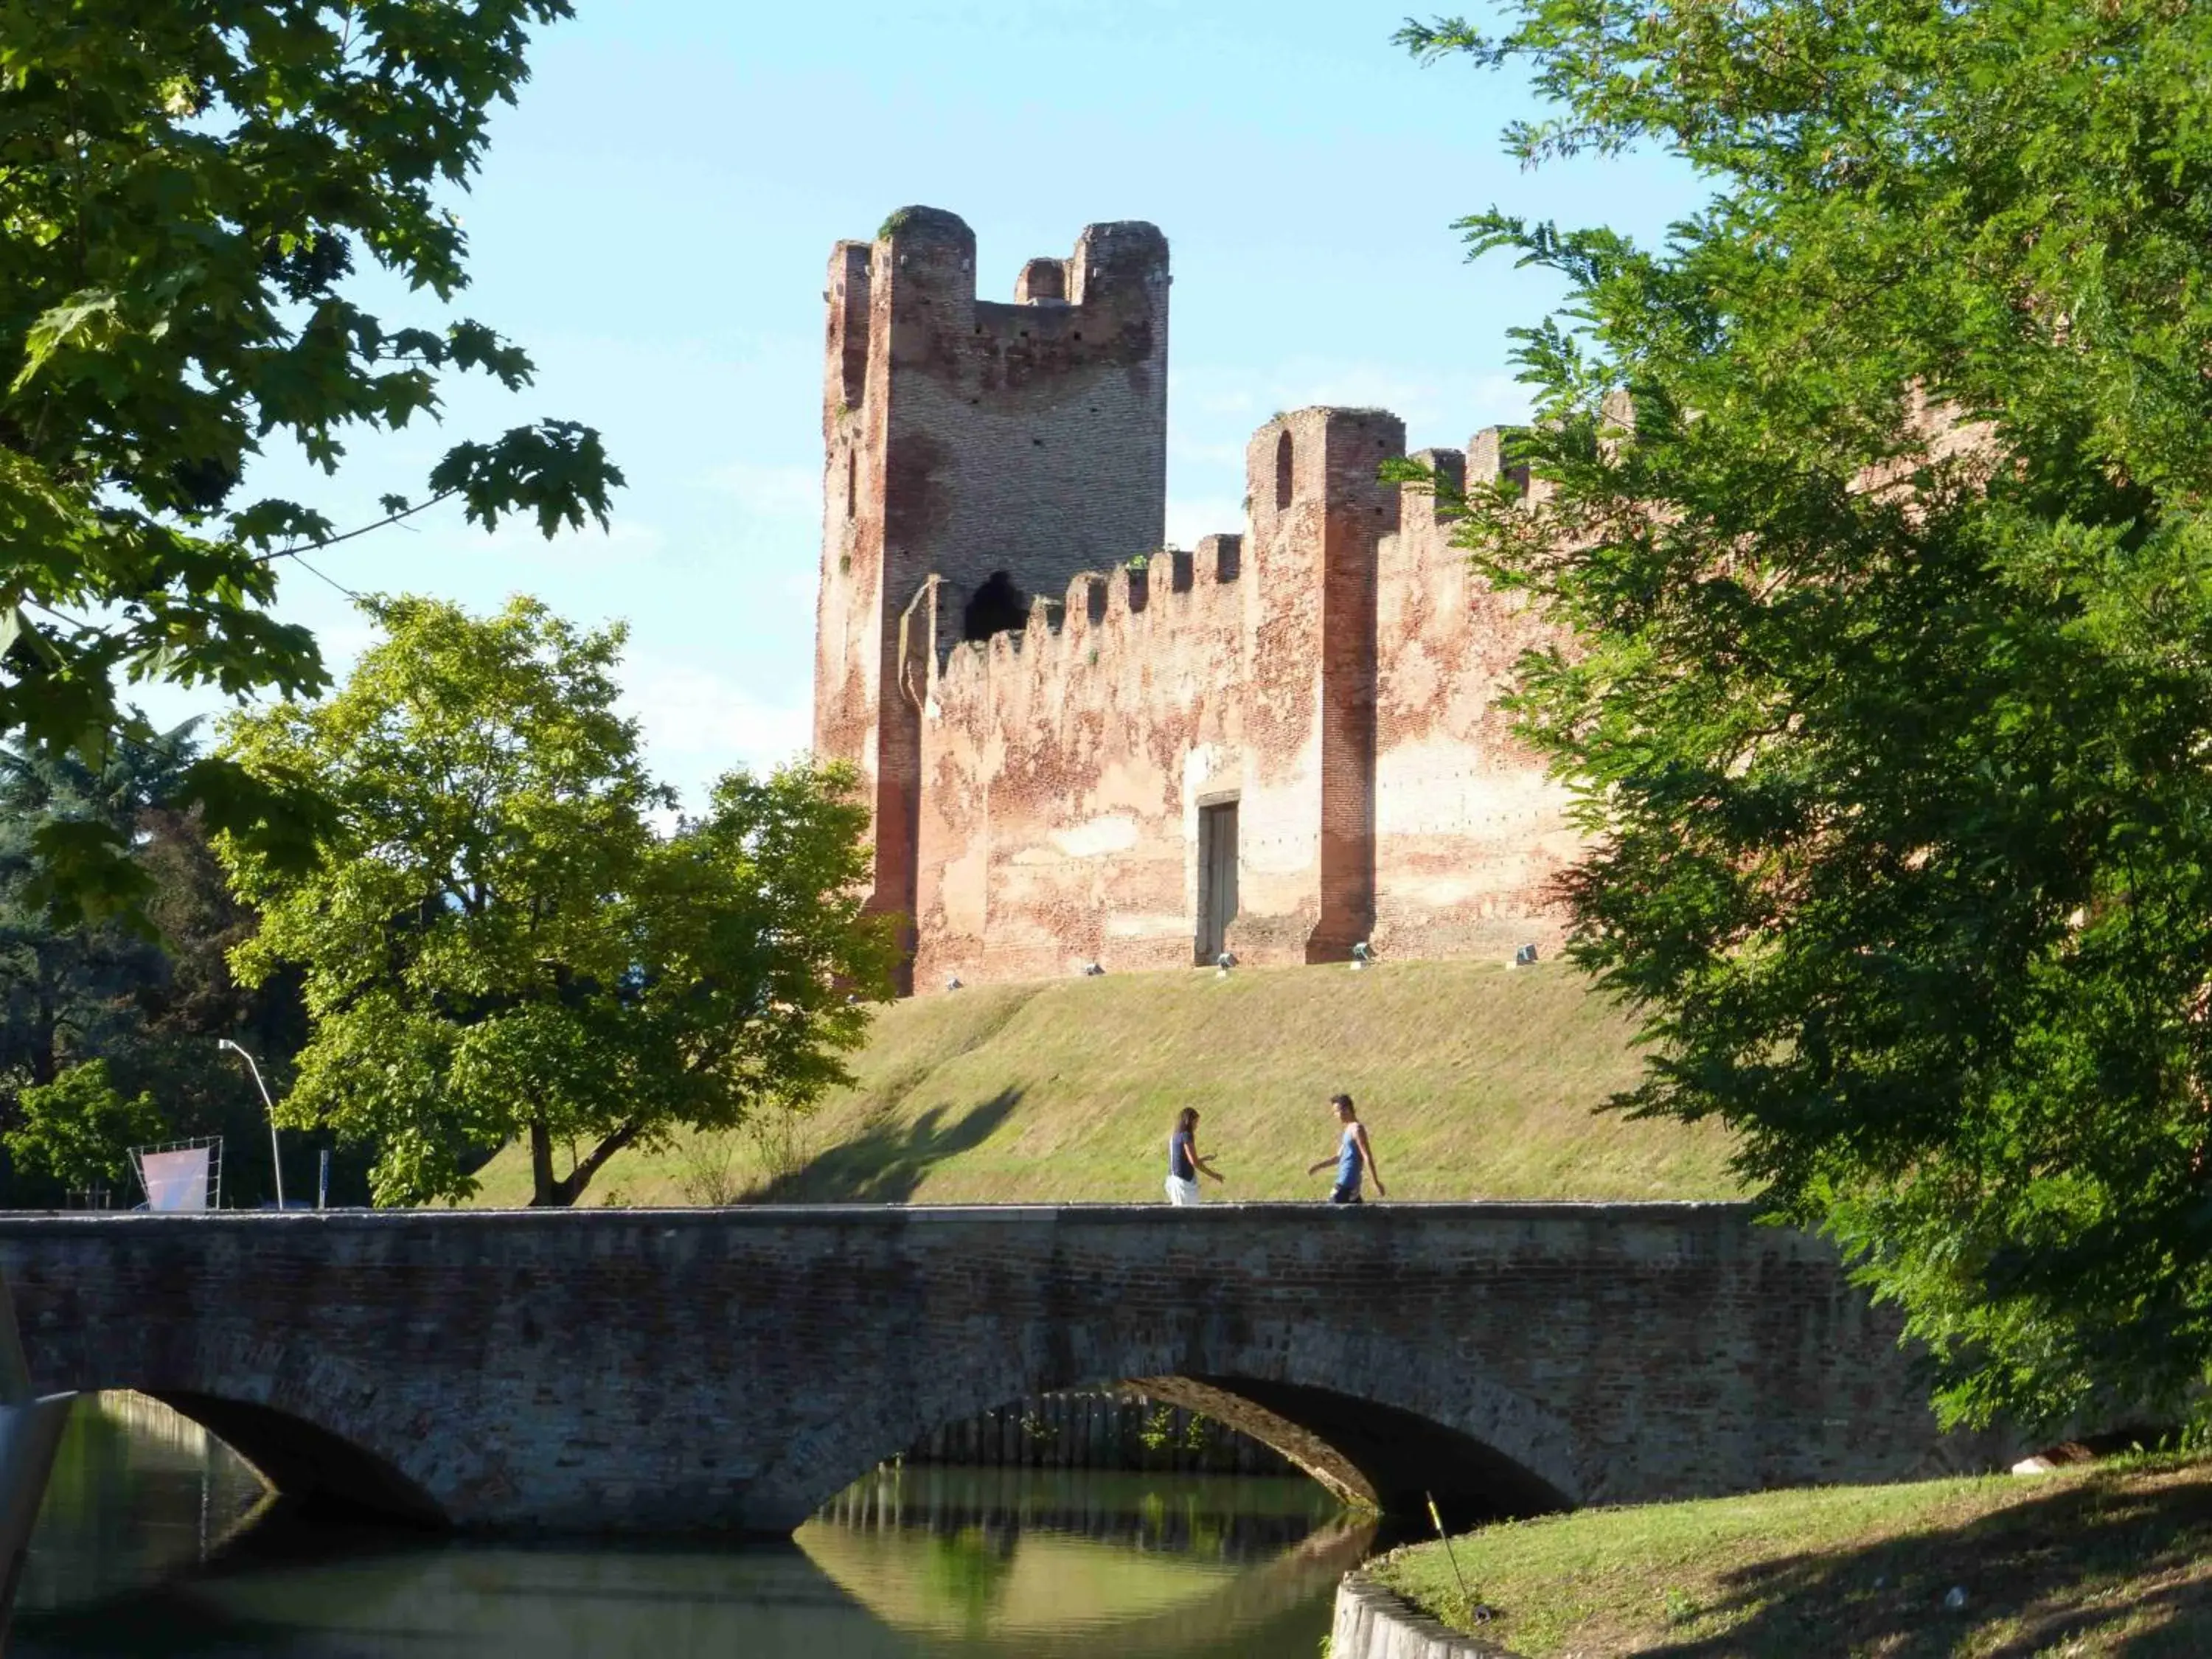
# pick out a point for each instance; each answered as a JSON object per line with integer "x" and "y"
{"x": 634, "y": 1371}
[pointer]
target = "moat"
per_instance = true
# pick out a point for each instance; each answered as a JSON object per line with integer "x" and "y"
{"x": 156, "y": 1540}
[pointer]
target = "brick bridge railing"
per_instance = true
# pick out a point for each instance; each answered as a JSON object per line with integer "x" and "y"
{"x": 672, "y": 1370}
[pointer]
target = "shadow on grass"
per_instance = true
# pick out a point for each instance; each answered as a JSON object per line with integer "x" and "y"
{"x": 2120, "y": 1564}
{"x": 885, "y": 1162}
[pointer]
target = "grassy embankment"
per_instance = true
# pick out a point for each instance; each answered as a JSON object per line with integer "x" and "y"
{"x": 1476, "y": 1082}
{"x": 2112, "y": 1559}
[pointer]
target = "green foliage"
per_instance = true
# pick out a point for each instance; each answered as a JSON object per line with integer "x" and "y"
{"x": 498, "y": 943}
{"x": 186, "y": 187}
{"x": 149, "y": 1001}
{"x": 1875, "y": 503}
{"x": 80, "y": 1130}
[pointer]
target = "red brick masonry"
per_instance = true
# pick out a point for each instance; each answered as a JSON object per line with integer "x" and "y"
{"x": 1044, "y": 698}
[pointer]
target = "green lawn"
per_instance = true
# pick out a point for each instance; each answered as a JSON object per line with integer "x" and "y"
{"x": 2114, "y": 1558}
{"x": 1476, "y": 1081}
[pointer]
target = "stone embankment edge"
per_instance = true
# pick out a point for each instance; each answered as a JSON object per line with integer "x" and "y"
{"x": 1375, "y": 1623}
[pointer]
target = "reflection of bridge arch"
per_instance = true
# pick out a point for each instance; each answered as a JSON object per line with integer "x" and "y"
{"x": 641, "y": 1370}
{"x": 1347, "y": 1421}
{"x": 1285, "y": 1585}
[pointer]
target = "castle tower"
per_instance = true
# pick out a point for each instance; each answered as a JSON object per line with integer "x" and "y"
{"x": 998, "y": 447}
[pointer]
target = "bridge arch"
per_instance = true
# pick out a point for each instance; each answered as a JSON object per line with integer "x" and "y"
{"x": 306, "y": 1462}
{"x": 322, "y": 1432}
{"x": 1372, "y": 1431}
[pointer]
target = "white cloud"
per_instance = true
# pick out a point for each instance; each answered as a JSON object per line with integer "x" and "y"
{"x": 697, "y": 725}
{"x": 1192, "y": 517}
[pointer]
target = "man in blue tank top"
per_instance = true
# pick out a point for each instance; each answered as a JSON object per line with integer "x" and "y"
{"x": 1353, "y": 1155}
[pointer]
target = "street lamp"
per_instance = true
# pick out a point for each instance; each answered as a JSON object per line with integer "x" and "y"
{"x": 275, "y": 1157}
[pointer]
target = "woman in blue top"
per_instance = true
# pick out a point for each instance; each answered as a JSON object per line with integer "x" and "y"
{"x": 1184, "y": 1161}
{"x": 1352, "y": 1152}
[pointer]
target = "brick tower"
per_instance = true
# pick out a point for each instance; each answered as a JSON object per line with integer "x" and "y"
{"x": 997, "y": 448}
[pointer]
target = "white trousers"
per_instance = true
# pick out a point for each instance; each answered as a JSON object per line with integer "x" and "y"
{"x": 1182, "y": 1191}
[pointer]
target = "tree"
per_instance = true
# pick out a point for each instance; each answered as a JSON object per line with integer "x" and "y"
{"x": 498, "y": 945}
{"x": 1873, "y": 506}
{"x": 150, "y": 1008}
{"x": 66, "y": 987}
{"x": 187, "y": 187}
{"x": 80, "y": 1130}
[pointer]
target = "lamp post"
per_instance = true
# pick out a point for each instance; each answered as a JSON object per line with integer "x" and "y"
{"x": 275, "y": 1157}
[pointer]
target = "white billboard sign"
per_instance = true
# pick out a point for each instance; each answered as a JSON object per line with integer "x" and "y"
{"x": 175, "y": 1180}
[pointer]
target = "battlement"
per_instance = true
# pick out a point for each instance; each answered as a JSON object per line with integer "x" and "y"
{"x": 1315, "y": 506}
{"x": 1146, "y": 610}
{"x": 1324, "y": 458}
{"x": 1105, "y": 302}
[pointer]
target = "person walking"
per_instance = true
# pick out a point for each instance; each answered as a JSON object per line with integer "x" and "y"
{"x": 1184, "y": 1161}
{"x": 1354, "y": 1153}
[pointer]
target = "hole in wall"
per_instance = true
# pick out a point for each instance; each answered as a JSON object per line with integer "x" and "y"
{"x": 998, "y": 607}
{"x": 1283, "y": 471}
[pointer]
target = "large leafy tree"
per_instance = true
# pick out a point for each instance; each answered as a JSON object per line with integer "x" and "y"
{"x": 1873, "y": 503}
{"x": 186, "y": 188}
{"x": 506, "y": 940}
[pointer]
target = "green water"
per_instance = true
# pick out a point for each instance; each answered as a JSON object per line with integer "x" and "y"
{"x": 156, "y": 1540}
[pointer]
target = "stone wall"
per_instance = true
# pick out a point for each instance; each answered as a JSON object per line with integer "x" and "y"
{"x": 1065, "y": 767}
{"x": 1333, "y": 672}
{"x": 1042, "y": 726}
{"x": 1470, "y": 833}
{"x": 1373, "y": 1622}
{"x": 674, "y": 1369}
{"x": 966, "y": 441}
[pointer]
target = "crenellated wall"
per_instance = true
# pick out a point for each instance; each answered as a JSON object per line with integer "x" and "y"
{"x": 1331, "y": 672}
{"x": 1062, "y": 767}
{"x": 1049, "y": 706}
{"x": 1469, "y": 831}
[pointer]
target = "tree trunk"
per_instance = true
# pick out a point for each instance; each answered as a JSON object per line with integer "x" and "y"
{"x": 551, "y": 1193}
{"x": 541, "y": 1166}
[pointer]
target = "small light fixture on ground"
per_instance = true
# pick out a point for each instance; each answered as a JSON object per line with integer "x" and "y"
{"x": 1525, "y": 957}
{"x": 952, "y": 983}
{"x": 1092, "y": 970}
{"x": 1363, "y": 956}
{"x": 1223, "y": 964}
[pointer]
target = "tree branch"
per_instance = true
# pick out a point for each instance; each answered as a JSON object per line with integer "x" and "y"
{"x": 311, "y": 546}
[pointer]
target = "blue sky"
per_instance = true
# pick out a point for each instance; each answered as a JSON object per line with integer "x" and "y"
{"x": 654, "y": 222}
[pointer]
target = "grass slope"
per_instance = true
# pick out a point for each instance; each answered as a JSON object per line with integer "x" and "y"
{"x": 2114, "y": 1558}
{"x": 1475, "y": 1082}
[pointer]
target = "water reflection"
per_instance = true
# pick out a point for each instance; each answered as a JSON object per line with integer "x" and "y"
{"x": 137, "y": 1493}
{"x": 135, "y": 1557}
{"x": 1038, "y": 1562}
